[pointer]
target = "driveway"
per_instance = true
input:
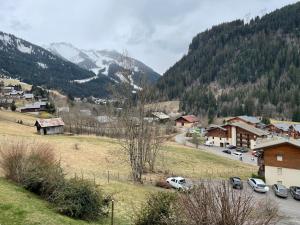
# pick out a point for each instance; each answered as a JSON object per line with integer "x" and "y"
{"x": 247, "y": 157}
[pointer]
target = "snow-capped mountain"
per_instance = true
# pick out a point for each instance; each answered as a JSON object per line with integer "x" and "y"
{"x": 105, "y": 62}
{"x": 35, "y": 65}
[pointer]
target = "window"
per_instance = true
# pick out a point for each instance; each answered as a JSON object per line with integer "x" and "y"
{"x": 279, "y": 171}
{"x": 220, "y": 138}
{"x": 279, "y": 157}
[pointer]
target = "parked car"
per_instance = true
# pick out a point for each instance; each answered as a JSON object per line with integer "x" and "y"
{"x": 231, "y": 147}
{"x": 242, "y": 149}
{"x": 227, "y": 151}
{"x": 209, "y": 143}
{"x": 295, "y": 192}
{"x": 238, "y": 154}
{"x": 179, "y": 183}
{"x": 258, "y": 185}
{"x": 236, "y": 182}
{"x": 280, "y": 190}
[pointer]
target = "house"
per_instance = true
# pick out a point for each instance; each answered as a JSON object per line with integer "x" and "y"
{"x": 161, "y": 117}
{"x": 28, "y": 96}
{"x": 250, "y": 120}
{"x": 187, "y": 121}
{"x": 279, "y": 161}
{"x": 35, "y": 107}
{"x": 294, "y": 131}
{"x": 238, "y": 134}
{"x": 278, "y": 128}
{"x": 50, "y": 126}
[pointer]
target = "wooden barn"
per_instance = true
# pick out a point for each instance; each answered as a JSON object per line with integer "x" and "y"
{"x": 50, "y": 126}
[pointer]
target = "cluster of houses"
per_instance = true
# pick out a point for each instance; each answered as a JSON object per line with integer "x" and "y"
{"x": 11, "y": 93}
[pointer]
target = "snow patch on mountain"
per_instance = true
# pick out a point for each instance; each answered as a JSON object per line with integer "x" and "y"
{"x": 42, "y": 65}
{"x": 5, "y": 38}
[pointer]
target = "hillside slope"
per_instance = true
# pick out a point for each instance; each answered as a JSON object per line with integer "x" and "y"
{"x": 237, "y": 68}
{"x": 35, "y": 65}
{"x": 105, "y": 62}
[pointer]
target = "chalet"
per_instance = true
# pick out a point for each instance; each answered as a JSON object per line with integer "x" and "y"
{"x": 294, "y": 131}
{"x": 35, "y": 107}
{"x": 279, "y": 161}
{"x": 250, "y": 120}
{"x": 50, "y": 126}
{"x": 278, "y": 128}
{"x": 237, "y": 134}
{"x": 28, "y": 96}
{"x": 187, "y": 121}
{"x": 160, "y": 116}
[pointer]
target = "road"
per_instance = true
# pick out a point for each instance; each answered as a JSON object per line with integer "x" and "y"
{"x": 289, "y": 209}
{"x": 247, "y": 157}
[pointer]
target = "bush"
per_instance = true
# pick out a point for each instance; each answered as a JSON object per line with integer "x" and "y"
{"x": 157, "y": 209}
{"x": 13, "y": 159}
{"x": 163, "y": 184}
{"x": 80, "y": 199}
{"x": 35, "y": 168}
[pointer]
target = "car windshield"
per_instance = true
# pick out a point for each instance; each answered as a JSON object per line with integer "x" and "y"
{"x": 261, "y": 185}
{"x": 182, "y": 181}
{"x": 298, "y": 191}
{"x": 237, "y": 180}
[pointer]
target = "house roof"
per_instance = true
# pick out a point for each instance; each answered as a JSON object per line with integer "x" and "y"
{"x": 249, "y": 119}
{"x": 190, "y": 118}
{"x": 161, "y": 115}
{"x": 282, "y": 126}
{"x": 296, "y": 127}
{"x": 279, "y": 141}
{"x": 35, "y": 105}
{"x": 54, "y": 122}
{"x": 251, "y": 129}
{"x": 28, "y": 95}
{"x": 213, "y": 126}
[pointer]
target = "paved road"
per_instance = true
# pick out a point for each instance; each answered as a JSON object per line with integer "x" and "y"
{"x": 247, "y": 157}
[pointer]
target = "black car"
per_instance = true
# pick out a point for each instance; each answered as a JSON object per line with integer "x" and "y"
{"x": 242, "y": 149}
{"x": 227, "y": 151}
{"x": 236, "y": 182}
{"x": 231, "y": 147}
{"x": 295, "y": 192}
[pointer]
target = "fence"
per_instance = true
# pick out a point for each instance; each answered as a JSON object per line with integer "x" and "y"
{"x": 109, "y": 176}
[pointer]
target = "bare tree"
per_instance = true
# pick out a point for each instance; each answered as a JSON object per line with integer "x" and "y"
{"x": 214, "y": 204}
{"x": 140, "y": 138}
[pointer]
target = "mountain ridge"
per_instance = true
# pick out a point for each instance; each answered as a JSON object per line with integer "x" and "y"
{"x": 240, "y": 68}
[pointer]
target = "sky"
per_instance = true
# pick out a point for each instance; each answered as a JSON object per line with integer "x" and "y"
{"x": 157, "y": 32}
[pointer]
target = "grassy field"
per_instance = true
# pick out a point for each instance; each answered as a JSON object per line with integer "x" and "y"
{"x": 94, "y": 157}
{"x": 25, "y": 87}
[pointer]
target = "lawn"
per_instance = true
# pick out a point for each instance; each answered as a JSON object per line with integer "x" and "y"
{"x": 94, "y": 158}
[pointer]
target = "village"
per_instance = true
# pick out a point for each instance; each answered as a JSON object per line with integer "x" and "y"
{"x": 271, "y": 147}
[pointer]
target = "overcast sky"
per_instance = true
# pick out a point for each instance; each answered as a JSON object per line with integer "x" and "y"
{"x": 156, "y": 32}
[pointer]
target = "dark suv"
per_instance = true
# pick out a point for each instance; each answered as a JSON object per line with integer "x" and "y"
{"x": 236, "y": 182}
{"x": 242, "y": 149}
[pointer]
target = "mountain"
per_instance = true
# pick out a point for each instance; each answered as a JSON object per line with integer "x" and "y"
{"x": 240, "y": 68}
{"x": 105, "y": 62}
{"x": 35, "y": 65}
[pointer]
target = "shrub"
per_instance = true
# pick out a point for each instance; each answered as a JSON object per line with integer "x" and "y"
{"x": 157, "y": 209}
{"x": 163, "y": 184}
{"x": 80, "y": 199}
{"x": 12, "y": 160}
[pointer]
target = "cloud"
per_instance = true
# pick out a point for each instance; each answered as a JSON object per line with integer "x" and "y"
{"x": 156, "y": 32}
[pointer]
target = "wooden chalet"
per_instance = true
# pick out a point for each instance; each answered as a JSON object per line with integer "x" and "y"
{"x": 187, "y": 121}
{"x": 50, "y": 126}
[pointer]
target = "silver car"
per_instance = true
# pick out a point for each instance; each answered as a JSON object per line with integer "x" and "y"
{"x": 258, "y": 185}
{"x": 280, "y": 190}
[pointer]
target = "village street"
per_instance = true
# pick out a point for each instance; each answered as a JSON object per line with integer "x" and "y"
{"x": 183, "y": 140}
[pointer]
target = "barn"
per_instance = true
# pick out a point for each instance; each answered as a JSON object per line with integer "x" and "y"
{"x": 50, "y": 126}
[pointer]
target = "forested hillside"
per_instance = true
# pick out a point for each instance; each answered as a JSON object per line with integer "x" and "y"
{"x": 241, "y": 68}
